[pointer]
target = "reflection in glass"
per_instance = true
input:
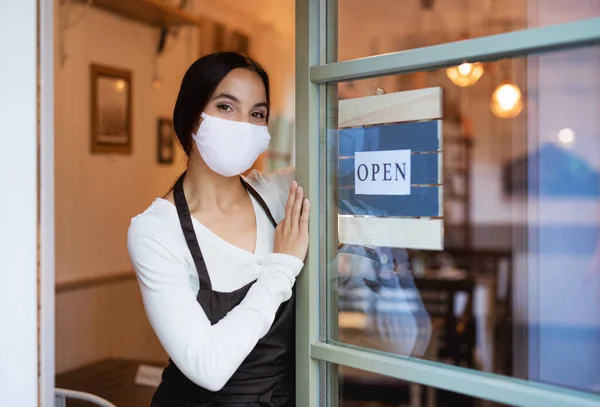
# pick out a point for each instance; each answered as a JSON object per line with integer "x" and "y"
{"x": 366, "y": 28}
{"x": 516, "y": 289}
{"x": 566, "y": 136}
{"x": 465, "y": 74}
{"x": 506, "y": 101}
{"x": 377, "y": 309}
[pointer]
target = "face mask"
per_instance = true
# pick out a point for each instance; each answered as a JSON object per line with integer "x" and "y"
{"x": 228, "y": 147}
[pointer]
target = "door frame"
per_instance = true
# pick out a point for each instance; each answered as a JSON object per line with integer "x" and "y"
{"x": 19, "y": 206}
{"x": 315, "y": 355}
{"x": 46, "y": 242}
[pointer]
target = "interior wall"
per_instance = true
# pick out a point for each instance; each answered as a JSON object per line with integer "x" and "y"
{"x": 271, "y": 28}
{"x": 96, "y": 195}
{"x": 103, "y": 321}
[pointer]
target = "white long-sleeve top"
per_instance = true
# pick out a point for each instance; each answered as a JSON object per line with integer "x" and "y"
{"x": 210, "y": 354}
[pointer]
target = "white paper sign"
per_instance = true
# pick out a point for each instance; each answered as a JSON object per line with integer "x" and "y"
{"x": 382, "y": 172}
{"x": 149, "y": 376}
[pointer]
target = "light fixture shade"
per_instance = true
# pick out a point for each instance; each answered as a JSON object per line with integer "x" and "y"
{"x": 465, "y": 74}
{"x": 506, "y": 101}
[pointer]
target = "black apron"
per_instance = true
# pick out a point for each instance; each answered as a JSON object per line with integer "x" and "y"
{"x": 266, "y": 376}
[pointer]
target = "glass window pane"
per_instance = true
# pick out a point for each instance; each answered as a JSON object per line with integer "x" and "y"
{"x": 516, "y": 288}
{"x": 368, "y": 28}
{"x": 358, "y": 388}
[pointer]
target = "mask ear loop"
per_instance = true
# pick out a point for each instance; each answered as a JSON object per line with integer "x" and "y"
{"x": 191, "y": 143}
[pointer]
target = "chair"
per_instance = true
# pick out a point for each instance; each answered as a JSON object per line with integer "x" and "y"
{"x": 497, "y": 264}
{"x": 61, "y": 396}
{"x": 457, "y": 339}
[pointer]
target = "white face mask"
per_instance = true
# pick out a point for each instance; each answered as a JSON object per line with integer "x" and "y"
{"x": 228, "y": 147}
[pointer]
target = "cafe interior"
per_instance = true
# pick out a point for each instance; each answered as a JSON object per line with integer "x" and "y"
{"x": 515, "y": 290}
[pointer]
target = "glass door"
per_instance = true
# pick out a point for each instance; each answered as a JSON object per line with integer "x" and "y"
{"x": 453, "y": 162}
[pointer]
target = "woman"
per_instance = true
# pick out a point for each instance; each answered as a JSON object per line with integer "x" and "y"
{"x": 218, "y": 256}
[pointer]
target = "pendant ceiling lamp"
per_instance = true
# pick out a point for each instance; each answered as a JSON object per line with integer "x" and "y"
{"x": 465, "y": 74}
{"x": 507, "y": 101}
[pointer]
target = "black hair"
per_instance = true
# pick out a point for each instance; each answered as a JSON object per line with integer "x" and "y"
{"x": 198, "y": 85}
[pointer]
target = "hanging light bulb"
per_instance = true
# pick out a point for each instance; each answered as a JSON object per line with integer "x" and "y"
{"x": 506, "y": 101}
{"x": 465, "y": 74}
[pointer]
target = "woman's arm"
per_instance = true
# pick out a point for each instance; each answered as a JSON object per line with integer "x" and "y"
{"x": 207, "y": 354}
{"x": 390, "y": 322}
{"x": 399, "y": 319}
{"x": 395, "y": 319}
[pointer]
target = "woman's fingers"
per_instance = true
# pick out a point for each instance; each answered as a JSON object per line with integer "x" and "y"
{"x": 305, "y": 217}
{"x": 291, "y": 199}
{"x": 291, "y": 235}
{"x": 297, "y": 209}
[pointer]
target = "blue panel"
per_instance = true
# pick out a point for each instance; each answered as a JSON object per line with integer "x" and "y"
{"x": 424, "y": 170}
{"x": 566, "y": 240}
{"x": 418, "y": 137}
{"x": 552, "y": 171}
{"x": 568, "y": 354}
{"x": 422, "y": 201}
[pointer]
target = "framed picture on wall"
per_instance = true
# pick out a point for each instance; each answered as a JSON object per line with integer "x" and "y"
{"x": 239, "y": 42}
{"x": 216, "y": 37}
{"x": 165, "y": 141}
{"x": 110, "y": 110}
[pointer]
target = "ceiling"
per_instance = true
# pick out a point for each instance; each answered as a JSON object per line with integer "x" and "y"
{"x": 275, "y": 14}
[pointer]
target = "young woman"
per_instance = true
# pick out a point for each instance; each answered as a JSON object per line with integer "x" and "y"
{"x": 217, "y": 257}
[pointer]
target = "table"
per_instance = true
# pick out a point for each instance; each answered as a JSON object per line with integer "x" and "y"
{"x": 111, "y": 379}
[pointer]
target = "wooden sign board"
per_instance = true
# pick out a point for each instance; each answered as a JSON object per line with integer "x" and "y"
{"x": 392, "y": 196}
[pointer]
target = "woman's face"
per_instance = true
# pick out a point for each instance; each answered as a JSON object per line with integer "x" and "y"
{"x": 241, "y": 97}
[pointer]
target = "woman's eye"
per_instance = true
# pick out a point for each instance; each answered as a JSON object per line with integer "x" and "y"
{"x": 225, "y": 108}
{"x": 258, "y": 115}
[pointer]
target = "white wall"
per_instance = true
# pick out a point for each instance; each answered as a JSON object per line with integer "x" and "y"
{"x": 18, "y": 206}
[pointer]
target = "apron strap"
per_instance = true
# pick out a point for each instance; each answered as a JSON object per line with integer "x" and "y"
{"x": 260, "y": 201}
{"x": 185, "y": 219}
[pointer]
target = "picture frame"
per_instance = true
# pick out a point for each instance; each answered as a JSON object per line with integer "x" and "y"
{"x": 110, "y": 110}
{"x": 239, "y": 42}
{"x": 165, "y": 137}
{"x": 217, "y": 37}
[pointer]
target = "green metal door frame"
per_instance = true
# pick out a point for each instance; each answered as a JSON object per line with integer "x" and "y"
{"x": 307, "y": 152}
{"x": 314, "y": 48}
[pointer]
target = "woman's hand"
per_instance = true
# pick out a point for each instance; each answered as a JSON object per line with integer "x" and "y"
{"x": 291, "y": 235}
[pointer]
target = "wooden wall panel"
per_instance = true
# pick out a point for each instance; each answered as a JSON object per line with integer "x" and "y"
{"x": 103, "y": 320}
